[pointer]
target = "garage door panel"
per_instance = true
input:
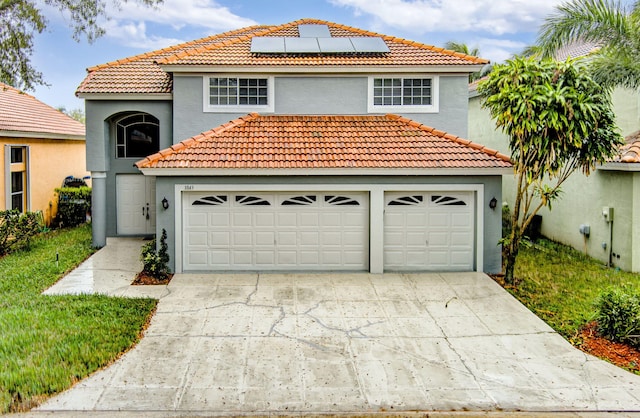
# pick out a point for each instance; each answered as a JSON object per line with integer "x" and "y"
{"x": 287, "y": 238}
{"x": 220, "y": 219}
{"x": 460, "y": 219}
{"x": 309, "y": 258}
{"x": 287, "y": 219}
{"x": 265, "y": 237}
{"x": 287, "y": 258}
{"x": 197, "y": 220}
{"x": 242, "y": 258}
{"x": 309, "y": 220}
{"x": 310, "y": 238}
{"x": 271, "y": 231}
{"x": 417, "y": 238}
{"x": 198, "y": 258}
{"x": 241, "y": 220}
{"x": 197, "y": 238}
{"x": 264, "y": 220}
{"x": 415, "y": 220}
{"x": 461, "y": 238}
{"x": 242, "y": 238}
{"x": 265, "y": 257}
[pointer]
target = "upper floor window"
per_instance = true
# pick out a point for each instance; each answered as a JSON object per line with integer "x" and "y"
{"x": 137, "y": 135}
{"x": 238, "y": 94}
{"x": 403, "y": 94}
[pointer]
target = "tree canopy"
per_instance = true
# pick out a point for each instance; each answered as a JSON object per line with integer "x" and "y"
{"x": 559, "y": 120}
{"x": 606, "y": 23}
{"x": 22, "y": 20}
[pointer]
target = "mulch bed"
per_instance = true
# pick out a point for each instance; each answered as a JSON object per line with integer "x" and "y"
{"x": 622, "y": 355}
{"x": 143, "y": 278}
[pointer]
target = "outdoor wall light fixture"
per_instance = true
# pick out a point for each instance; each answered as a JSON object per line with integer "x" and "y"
{"x": 165, "y": 203}
{"x": 493, "y": 203}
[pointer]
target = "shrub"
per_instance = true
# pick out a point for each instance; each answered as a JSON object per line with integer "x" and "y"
{"x": 618, "y": 316}
{"x": 73, "y": 205}
{"x": 17, "y": 229}
{"x": 156, "y": 263}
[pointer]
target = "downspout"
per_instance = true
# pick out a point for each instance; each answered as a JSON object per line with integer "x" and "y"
{"x": 610, "y": 263}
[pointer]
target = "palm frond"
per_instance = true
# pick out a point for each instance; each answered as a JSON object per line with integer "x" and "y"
{"x": 598, "y": 21}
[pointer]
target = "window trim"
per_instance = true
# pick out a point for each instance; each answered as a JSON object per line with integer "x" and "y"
{"x": 434, "y": 107}
{"x": 20, "y": 167}
{"x": 116, "y": 128}
{"x": 208, "y": 107}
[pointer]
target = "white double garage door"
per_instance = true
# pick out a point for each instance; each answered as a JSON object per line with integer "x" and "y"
{"x": 325, "y": 231}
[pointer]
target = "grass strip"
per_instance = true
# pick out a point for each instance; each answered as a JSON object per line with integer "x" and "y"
{"x": 47, "y": 343}
{"x": 561, "y": 284}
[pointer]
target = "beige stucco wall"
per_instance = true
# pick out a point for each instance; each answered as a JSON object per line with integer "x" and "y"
{"x": 583, "y": 198}
{"x": 50, "y": 161}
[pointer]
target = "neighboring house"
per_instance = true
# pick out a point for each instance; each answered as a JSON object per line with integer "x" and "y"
{"x": 614, "y": 185}
{"x": 42, "y": 146}
{"x": 272, "y": 148}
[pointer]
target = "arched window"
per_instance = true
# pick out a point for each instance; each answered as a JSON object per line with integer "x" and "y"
{"x": 137, "y": 135}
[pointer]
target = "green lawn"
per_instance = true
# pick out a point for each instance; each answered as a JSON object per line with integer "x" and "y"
{"x": 561, "y": 285}
{"x": 49, "y": 342}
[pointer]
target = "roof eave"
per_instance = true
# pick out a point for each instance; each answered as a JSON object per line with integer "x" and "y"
{"x": 41, "y": 135}
{"x": 619, "y": 166}
{"x": 225, "y": 172}
{"x": 326, "y": 69}
{"x": 125, "y": 96}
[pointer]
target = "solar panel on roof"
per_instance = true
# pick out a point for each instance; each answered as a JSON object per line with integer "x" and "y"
{"x": 369, "y": 44}
{"x": 328, "y": 45}
{"x": 314, "y": 31}
{"x": 267, "y": 44}
{"x": 301, "y": 45}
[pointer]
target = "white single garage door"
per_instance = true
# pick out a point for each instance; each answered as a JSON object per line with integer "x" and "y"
{"x": 429, "y": 231}
{"x": 275, "y": 231}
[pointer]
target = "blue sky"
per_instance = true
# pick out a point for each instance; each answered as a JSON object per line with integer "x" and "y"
{"x": 499, "y": 28}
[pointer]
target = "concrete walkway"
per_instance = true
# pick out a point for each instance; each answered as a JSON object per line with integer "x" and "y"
{"x": 335, "y": 343}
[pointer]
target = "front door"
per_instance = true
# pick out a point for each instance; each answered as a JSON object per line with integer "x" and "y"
{"x": 135, "y": 200}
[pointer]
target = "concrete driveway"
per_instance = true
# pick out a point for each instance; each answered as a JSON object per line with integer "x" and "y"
{"x": 332, "y": 343}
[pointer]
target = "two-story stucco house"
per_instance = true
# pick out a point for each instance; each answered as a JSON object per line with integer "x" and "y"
{"x": 308, "y": 146}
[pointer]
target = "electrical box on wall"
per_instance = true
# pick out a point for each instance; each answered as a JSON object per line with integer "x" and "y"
{"x": 585, "y": 230}
{"x": 607, "y": 212}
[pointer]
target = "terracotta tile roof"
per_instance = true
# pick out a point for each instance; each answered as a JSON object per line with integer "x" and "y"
{"x": 23, "y": 113}
{"x": 630, "y": 152}
{"x": 142, "y": 73}
{"x": 306, "y": 142}
{"x": 402, "y": 51}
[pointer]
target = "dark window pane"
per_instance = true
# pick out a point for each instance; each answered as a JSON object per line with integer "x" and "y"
{"x": 17, "y": 155}
{"x": 17, "y": 202}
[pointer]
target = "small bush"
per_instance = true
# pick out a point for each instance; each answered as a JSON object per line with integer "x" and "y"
{"x": 155, "y": 263}
{"x": 618, "y": 316}
{"x": 17, "y": 229}
{"x": 73, "y": 205}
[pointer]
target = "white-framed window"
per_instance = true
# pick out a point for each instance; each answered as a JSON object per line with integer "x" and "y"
{"x": 17, "y": 177}
{"x": 137, "y": 135}
{"x": 225, "y": 93}
{"x": 404, "y": 94}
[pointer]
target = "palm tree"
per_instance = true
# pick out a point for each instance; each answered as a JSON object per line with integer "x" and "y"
{"x": 607, "y": 23}
{"x": 463, "y": 48}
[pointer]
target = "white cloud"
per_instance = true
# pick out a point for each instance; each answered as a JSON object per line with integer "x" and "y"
{"x": 496, "y": 17}
{"x": 135, "y": 35}
{"x": 129, "y": 23}
{"x": 180, "y": 13}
